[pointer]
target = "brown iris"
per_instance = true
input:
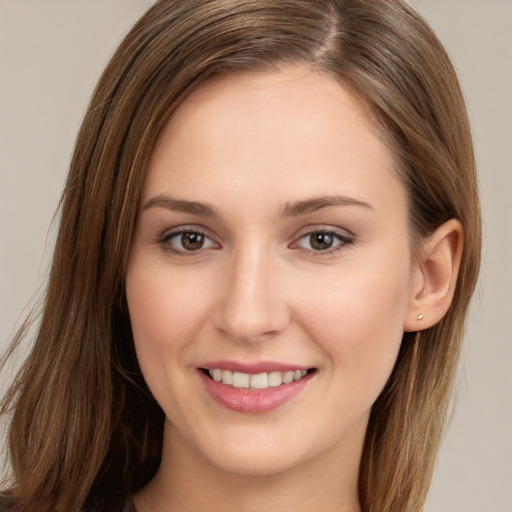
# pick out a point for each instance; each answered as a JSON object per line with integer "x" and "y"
{"x": 192, "y": 241}
{"x": 321, "y": 241}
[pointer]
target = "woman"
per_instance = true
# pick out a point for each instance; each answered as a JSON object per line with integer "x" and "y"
{"x": 269, "y": 238}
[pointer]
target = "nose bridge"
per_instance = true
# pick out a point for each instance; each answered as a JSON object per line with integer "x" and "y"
{"x": 252, "y": 305}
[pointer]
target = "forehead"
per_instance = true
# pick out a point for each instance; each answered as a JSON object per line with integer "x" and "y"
{"x": 297, "y": 130}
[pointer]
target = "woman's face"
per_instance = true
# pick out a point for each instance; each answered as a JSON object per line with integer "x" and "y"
{"x": 272, "y": 238}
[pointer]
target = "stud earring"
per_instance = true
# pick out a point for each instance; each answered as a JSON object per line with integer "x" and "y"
{"x": 421, "y": 316}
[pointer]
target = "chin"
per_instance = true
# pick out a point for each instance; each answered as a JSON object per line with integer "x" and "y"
{"x": 257, "y": 464}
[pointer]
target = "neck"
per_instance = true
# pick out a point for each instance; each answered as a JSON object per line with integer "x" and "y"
{"x": 327, "y": 482}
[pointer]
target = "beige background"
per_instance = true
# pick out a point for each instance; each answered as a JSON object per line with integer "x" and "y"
{"x": 51, "y": 52}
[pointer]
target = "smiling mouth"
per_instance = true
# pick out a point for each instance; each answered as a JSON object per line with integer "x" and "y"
{"x": 256, "y": 381}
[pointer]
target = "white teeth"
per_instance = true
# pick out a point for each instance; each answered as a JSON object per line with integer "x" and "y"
{"x": 216, "y": 374}
{"x": 227, "y": 377}
{"x": 275, "y": 379}
{"x": 255, "y": 381}
{"x": 288, "y": 377}
{"x": 259, "y": 381}
{"x": 240, "y": 380}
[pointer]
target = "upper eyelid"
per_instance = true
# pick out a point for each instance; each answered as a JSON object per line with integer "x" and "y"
{"x": 323, "y": 228}
{"x": 344, "y": 239}
{"x": 171, "y": 232}
{"x": 164, "y": 240}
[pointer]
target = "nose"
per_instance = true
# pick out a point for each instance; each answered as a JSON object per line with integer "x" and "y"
{"x": 252, "y": 305}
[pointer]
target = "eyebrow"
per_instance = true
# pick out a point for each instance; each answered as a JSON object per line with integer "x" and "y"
{"x": 181, "y": 205}
{"x": 317, "y": 203}
{"x": 294, "y": 209}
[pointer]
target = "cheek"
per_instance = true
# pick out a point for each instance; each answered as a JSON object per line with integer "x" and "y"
{"x": 358, "y": 323}
{"x": 165, "y": 310}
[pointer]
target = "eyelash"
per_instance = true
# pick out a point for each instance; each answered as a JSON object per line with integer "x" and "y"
{"x": 165, "y": 240}
{"x": 343, "y": 241}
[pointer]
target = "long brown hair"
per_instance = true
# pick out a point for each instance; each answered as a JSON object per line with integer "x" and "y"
{"x": 84, "y": 431}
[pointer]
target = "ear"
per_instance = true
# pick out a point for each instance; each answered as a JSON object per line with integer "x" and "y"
{"x": 434, "y": 277}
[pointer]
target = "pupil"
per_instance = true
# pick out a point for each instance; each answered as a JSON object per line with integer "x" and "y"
{"x": 321, "y": 241}
{"x": 192, "y": 241}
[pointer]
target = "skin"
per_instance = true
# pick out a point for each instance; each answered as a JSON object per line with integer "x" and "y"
{"x": 254, "y": 147}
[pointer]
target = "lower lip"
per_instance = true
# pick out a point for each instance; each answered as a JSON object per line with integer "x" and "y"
{"x": 253, "y": 400}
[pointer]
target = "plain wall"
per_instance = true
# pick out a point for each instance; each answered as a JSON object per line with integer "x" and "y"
{"x": 51, "y": 54}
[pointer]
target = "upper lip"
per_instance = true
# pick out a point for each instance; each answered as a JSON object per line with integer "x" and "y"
{"x": 254, "y": 367}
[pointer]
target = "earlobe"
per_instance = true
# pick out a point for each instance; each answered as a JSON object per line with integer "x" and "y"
{"x": 435, "y": 277}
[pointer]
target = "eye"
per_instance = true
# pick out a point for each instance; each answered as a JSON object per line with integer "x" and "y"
{"x": 187, "y": 241}
{"x": 323, "y": 241}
